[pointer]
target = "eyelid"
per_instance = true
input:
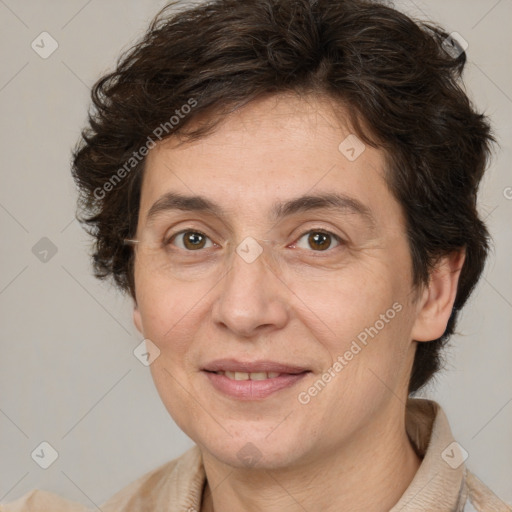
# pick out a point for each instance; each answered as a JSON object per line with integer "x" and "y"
{"x": 165, "y": 239}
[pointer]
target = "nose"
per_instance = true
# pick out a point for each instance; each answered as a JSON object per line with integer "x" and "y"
{"x": 252, "y": 298}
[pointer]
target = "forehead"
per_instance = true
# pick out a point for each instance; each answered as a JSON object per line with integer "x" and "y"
{"x": 270, "y": 151}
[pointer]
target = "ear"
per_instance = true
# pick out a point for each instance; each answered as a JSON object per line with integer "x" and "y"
{"x": 436, "y": 301}
{"x": 137, "y": 320}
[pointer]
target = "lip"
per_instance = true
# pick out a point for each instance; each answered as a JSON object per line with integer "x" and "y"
{"x": 253, "y": 389}
{"x": 233, "y": 365}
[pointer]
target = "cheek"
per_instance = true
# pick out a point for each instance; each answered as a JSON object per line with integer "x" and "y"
{"x": 176, "y": 394}
{"x": 166, "y": 306}
{"x": 369, "y": 366}
{"x": 361, "y": 318}
{"x": 344, "y": 304}
{"x": 170, "y": 314}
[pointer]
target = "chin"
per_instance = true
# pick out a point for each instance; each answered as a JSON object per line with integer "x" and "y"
{"x": 255, "y": 451}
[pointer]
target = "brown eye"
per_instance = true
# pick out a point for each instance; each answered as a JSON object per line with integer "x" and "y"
{"x": 318, "y": 240}
{"x": 190, "y": 240}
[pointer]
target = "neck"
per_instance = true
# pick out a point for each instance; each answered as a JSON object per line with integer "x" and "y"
{"x": 370, "y": 472}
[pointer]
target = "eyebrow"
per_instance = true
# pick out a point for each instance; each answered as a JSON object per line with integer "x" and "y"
{"x": 324, "y": 201}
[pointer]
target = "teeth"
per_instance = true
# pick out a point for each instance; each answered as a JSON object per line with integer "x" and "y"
{"x": 259, "y": 376}
{"x": 249, "y": 376}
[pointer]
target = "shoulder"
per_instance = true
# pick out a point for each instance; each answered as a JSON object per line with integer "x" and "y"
{"x": 481, "y": 498}
{"x": 178, "y": 482}
{"x": 42, "y": 501}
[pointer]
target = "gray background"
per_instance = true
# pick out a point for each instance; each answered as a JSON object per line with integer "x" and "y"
{"x": 67, "y": 372}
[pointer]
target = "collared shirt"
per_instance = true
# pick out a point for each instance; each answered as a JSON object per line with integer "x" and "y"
{"x": 441, "y": 484}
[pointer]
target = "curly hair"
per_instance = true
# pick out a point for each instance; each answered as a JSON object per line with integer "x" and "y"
{"x": 401, "y": 87}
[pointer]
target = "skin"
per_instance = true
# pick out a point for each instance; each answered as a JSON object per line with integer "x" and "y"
{"x": 347, "y": 448}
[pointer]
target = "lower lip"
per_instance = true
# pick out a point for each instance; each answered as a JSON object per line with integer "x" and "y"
{"x": 252, "y": 389}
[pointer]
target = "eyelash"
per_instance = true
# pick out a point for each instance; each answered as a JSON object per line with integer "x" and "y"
{"x": 337, "y": 238}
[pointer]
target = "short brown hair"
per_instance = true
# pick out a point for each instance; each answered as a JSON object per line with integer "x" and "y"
{"x": 392, "y": 73}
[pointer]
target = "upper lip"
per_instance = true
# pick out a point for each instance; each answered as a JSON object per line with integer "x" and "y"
{"x": 233, "y": 365}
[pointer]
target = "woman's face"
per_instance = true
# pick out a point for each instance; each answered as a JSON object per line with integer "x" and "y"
{"x": 331, "y": 297}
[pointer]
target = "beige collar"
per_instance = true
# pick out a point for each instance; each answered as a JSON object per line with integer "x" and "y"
{"x": 439, "y": 483}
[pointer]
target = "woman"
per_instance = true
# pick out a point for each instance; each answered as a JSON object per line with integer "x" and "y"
{"x": 287, "y": 191}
